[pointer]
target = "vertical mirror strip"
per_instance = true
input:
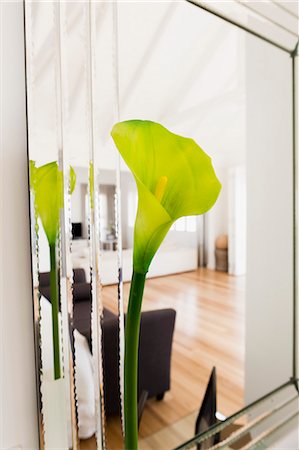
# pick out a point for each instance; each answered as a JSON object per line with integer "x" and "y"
{"x": 118, "y": 215}
{"x": 72, "y": 83}
{"x": 34, "y": 225}
{"x": 96, "y": 288}
{"x": 69, "y": 350}
{"x": 50, "y": 194}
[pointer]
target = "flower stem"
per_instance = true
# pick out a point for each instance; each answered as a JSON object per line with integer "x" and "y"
{"x": 55, "y": 310}
{"x": 131, "y": 360}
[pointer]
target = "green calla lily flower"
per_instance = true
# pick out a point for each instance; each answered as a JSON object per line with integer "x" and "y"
{"x": 47, "y": 184}
{"x": 73, "y": 179}
{"x": 174, "y": 177}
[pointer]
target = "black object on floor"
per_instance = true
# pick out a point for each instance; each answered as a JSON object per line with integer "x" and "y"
{"x": 207, "y": 414}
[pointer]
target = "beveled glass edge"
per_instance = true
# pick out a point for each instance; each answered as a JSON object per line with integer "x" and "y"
{"x": 213, "y": 11}
{"x": 94, "y": 234}
{"x": 272, "y": 431}
{"x": 235, "y": 436}
{"x": 118, "y": 220}
{"x": 231, "y": 419}
{"x": 295, "y": 116}
{"x": 66, "y": 279}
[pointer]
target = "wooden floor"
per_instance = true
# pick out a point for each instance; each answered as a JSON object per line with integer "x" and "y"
{"x": 209, "y": 332}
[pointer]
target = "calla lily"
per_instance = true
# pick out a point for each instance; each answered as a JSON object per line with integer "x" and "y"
{"x": 174, "y": 177}
{"x": 47, "y": 184}
{"x": 91, "y": 184}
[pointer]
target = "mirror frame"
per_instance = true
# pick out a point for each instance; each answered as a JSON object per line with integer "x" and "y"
{"x": 293, "y": 380}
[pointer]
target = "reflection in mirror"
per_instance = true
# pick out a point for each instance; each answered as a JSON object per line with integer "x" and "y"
{"x": 218, "y": 281}
{"x": 52, "y": 181}
{"x": 67, "y": 280}
{"x": 177, "y": 83}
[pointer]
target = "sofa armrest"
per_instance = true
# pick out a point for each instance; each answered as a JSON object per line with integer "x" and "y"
{"x": 111, "y": 365}
{"x": 81, "y": 292}
{"x": 79, "y": 275}
{"x": 155, "y": 346}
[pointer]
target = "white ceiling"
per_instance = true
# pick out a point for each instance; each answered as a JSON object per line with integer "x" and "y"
{"x": 182, "y": 67}
{"x": 177, "y": 64}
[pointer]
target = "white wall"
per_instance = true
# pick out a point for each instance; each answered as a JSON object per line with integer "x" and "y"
{"x": 217, "y": 219}
{"x": 270, "y": 244}
{"x": 17, "y": 384}
{"x": 237, "y": 220}
{"x": 78, "y": 202}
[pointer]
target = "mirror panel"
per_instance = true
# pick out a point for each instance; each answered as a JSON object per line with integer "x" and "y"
{"x": 228, "y": 274}
{"x": 63, "y": 107}
{"x": 50, "y": 190}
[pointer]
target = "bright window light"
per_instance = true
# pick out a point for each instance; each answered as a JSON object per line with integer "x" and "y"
{"x": 103, "y": 211}
{"x": 132, "y": 208}
{"x": 186, "y": 224}
{"x": 191, "y": 224}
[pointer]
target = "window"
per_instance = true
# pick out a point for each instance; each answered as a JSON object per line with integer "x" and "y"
{"x": 132, "y": 208}
{"x": 187, "y": 224}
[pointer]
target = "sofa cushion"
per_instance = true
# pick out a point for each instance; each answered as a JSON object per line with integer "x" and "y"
{"x": 108, "y": 315}
{"x": 82, "y": 318}
{"x": 79, "y": 276}
{"x": 81, "y": 292}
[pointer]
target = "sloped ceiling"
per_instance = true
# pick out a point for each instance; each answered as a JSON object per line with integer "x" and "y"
{"x": 177, "y": 64}
{"x": 184, "y": 68}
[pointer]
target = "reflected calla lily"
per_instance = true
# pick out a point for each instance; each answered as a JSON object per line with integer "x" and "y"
{"x": 47, "y": 185}
{"x": 174, "y": 177}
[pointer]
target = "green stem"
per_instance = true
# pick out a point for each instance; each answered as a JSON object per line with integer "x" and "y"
{"x": 55, "y": 310}
{"x": 131, "y": 360}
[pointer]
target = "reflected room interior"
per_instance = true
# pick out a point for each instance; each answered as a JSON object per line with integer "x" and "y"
{"x": 203, "y": 78}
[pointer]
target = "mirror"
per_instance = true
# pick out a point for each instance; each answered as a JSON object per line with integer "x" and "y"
{"x": 222, "y": 284}
{"x": 86, "y": 236}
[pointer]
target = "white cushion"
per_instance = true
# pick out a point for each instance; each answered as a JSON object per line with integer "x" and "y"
{"x": 83, "y": 376}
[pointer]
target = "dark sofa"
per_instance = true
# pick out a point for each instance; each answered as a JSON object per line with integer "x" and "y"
{"x": 156, "y": 333}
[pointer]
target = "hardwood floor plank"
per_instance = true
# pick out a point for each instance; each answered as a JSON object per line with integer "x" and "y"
{"x": 209, "y": 332}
